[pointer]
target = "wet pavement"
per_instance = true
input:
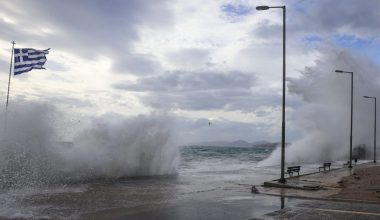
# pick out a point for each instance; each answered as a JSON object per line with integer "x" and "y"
{"x": 299, "y": 201}
{"x": 318, "y": 185}
{"x": 271, "y": 203}
{"x": 253, "y": 207}
{"x": 207, "y": 196}
{"x": 327, "y": 179}
{"x": 315, "y": 209}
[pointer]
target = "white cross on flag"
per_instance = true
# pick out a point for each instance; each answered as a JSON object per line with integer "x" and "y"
{"x": 27, "y": 59}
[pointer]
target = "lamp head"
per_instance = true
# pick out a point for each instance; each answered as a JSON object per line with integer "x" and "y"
{"x": 339, "y": 71}
{"x": 366, "y": 96}
{"x": 261, "y": 8}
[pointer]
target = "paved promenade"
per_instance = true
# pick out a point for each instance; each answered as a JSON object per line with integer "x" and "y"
{"x": 235, "y": 201}
{"x": 314, "y": 185}
{"x": 336, "y": 194}
{"x": 332, "y": 184}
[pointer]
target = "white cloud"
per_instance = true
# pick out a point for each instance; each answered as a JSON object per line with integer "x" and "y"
{"x": 149, "y": 42}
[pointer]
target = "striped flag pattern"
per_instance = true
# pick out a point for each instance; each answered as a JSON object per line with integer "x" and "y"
{"x": 27, "y": 59}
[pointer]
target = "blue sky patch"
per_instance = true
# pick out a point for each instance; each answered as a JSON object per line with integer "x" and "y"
{"x": 353, "y": 42}
{"x": 301, "y": 6}
{"x": 236, "y": 10}
{"x": 369, "y": 47}
{"x": 312, "y": 39}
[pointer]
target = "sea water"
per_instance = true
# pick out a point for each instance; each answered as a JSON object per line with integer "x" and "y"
{"x": 200, "y": 169}
{"x": 203, "y": 174}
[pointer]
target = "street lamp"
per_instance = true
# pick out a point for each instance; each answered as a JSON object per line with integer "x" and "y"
{"x": 374, "y": 135}
{"x": 260, "y": 8}
{"x": 352, "y": 85}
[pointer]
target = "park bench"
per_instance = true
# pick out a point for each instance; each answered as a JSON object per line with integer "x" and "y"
{"x": 324, "y": 166}
{"x": 346, "y": 164}
{"x": 295, "y": 169}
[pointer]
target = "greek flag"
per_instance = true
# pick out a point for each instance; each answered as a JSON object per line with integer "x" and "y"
{"x": 27, "y": 59}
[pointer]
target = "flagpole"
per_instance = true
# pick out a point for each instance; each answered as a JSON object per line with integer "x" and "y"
{"x": 10, "y": 73}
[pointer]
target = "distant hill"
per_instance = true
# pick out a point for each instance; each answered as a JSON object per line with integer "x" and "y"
{"x": 238, "y": 143}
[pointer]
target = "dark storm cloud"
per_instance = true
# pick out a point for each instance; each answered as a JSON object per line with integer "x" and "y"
{"x": 325, "y": 18}
{"x": 180, "y": 81}
{"x": 88, "y": 28}
{"x": 325, "y": 15}
{"x": 200, "y": 91}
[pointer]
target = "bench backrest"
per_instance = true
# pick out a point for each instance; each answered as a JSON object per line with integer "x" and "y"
{"x": 326, "y": 164}
{"x": 295, "y": 168}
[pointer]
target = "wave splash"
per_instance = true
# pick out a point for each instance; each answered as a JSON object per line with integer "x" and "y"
{"x": 111, "y": 146}
{"x": 324, "y": 116}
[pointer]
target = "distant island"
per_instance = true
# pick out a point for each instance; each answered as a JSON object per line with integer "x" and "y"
{"x": 238, "y": 143}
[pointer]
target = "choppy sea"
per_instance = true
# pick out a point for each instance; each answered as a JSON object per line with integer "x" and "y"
{"x": 203, "y": 174}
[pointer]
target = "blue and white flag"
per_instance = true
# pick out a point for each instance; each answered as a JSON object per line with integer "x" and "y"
{"x": 27, "y": 59}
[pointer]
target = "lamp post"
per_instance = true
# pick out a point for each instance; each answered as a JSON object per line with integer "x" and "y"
{"x": 260, "y": 8}
{"x": 374, "y": 134}
{"x": 352, "y": 88}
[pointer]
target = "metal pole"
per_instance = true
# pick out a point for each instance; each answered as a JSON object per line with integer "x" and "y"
{"x": 10, "y": 73}
{"x": 374, "y": 139}
{"x": 352, "y": 86}
{"x": 282, "y": 179}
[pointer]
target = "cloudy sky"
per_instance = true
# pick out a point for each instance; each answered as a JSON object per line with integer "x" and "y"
{"x": 197, "y": 61}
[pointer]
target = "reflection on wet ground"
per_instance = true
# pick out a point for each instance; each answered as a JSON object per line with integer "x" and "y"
{"x": 298, "y": 209}
{"x": 200, "y": 195}
{"x": 173, "y": 198}
{"x": 177, "y": 195}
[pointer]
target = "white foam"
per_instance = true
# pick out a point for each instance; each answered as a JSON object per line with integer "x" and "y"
{"x": 325, "y": 113}
{"x": 111, "y": 146}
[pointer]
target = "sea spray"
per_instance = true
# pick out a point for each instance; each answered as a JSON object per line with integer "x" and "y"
{"x": 120, "y": 147}
{"x": 325, "y": 114}
{"x": 26, "y": 155}
{"x": 111, "y": 147}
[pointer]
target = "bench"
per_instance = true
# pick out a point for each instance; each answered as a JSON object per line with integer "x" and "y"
{"x": 324, "y": 166}
{"x": 346, "y": 164}
{"x": 295, "y": 169}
